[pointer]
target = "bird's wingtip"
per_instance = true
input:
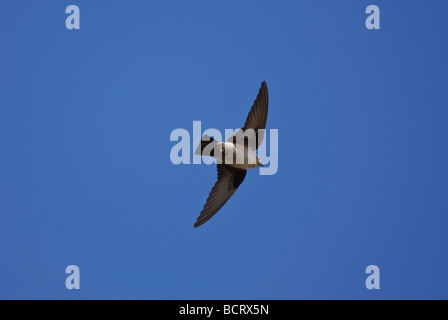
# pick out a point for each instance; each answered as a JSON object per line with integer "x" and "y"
{"x": 264, "y": 85}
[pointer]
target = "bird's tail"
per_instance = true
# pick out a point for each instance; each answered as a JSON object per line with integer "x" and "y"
{"x": 205, "y": 141}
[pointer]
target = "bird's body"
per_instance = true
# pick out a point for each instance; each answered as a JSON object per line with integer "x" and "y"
{"x": 233, "y": 152}
{"x": 234, "y": 156}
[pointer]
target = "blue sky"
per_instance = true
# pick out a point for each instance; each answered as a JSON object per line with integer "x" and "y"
{"x": 86, "y": 177}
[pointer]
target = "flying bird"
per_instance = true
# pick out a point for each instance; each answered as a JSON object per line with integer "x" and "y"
{"x": 235, "y": 156}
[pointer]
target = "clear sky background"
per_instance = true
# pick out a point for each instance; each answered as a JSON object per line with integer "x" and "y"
{"x": 86, "y": 178}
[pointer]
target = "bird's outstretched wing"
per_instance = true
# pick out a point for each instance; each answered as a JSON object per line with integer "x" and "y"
{"x": 256, "y": 119}
{"x": 229, "y": 179}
